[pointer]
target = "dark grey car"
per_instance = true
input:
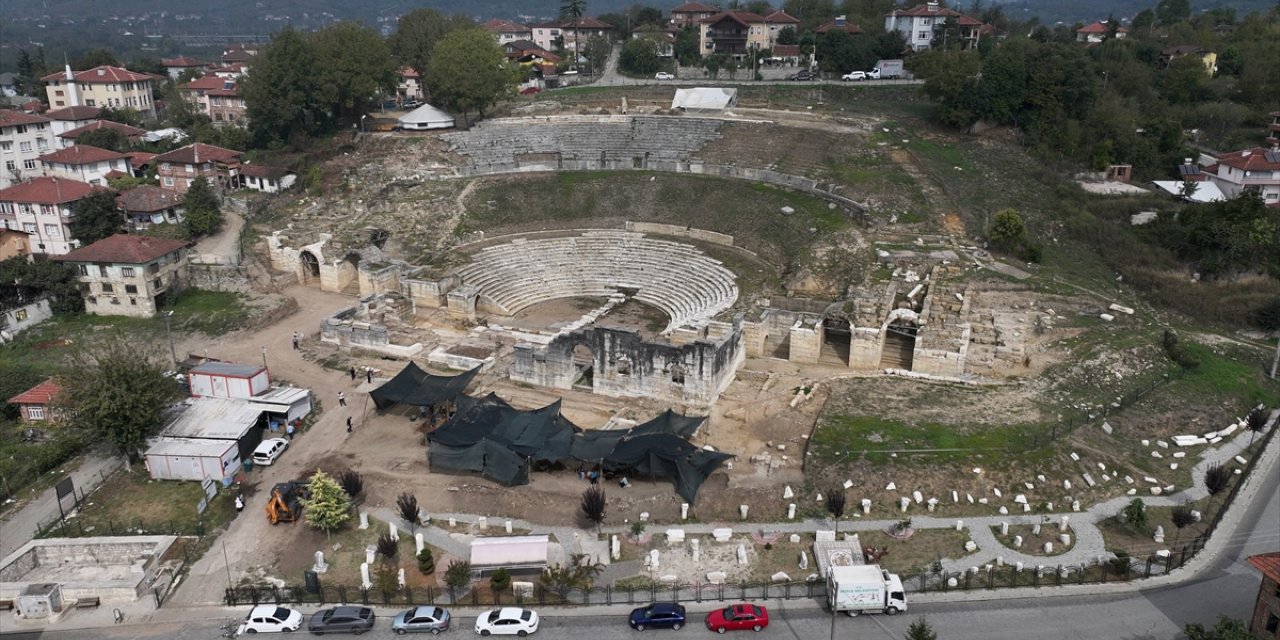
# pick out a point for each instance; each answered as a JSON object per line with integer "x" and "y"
{"x": 355, "y": 620}
{"x": 426, "y": 619}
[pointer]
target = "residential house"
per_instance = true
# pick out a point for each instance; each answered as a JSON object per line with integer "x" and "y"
{"x": 37, "y": 403}
{"x": 132, "y": 134}
{"x": 85, "y": 163}
{"x": 68, "y": 118}
{"x": 1256, "y": 170}
{"x": 1265, "y": 621}
{"x": 1208, "y": 57}
{"x": 527, "y": 52}
{"x": 140, "y": 161}
{"x": 23, "y": 137}
{"x": 839, "y": 24}
{"x": 507, "y": 31}
{"x": 177, "y": 169}
{"x": 176, "y": 66}
{"x": 13, "y": 243}
{"x": 230, "y": 71}
{"x": 919, "y": 25}
{"x": 216, "y": 97}
{"x": 571, "y": 35}
{"x": 269, "y": 179}
{"x": 41, "y": 208}
{"x": 147, "y": 204}
{"x": 665, "y": 37}
{"x": 240, "y": 54}
{"x": 21, "y": 312}
{"x": 409, "y": 85}
{"x": 733, "y": 33}
{"x": 129, "y": 275}
{"x": 777, "y": 21}
{"x": 692, "y": 13}
{"x": 1096, "y": 32}
{"x": 104, "y": 86}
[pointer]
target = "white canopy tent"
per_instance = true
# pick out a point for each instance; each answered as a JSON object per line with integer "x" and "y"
{"x": 1206, "y": 191}
{"x": 705, "y": 99}
{"x": 424, "y": 118}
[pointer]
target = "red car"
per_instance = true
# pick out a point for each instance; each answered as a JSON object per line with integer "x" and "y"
{"x": 738, "y": 616}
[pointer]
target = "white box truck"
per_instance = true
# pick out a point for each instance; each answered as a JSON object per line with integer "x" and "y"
{"x": 865, "y": 589}
{"x": 886, "y": 69}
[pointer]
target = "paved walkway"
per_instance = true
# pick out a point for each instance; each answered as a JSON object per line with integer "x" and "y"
{"x": 20, "y": 525}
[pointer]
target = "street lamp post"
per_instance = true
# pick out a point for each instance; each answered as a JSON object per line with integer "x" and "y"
{"x": 264, "y": 357}
{"x": 362, "y": 117}
{"x": 173, "y": 353}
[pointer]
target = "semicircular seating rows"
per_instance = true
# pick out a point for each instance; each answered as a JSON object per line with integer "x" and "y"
{"x": 689, "y": 286}
{"x": 615, "y": 138}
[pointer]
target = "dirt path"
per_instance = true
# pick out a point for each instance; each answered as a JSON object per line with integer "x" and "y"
{"x": 933, "y": 192}
{"x": 226, "y": 243}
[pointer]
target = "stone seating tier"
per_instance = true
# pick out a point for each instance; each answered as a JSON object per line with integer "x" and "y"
{"x": 683, "y": 282}
{"x": 499, "y": 141}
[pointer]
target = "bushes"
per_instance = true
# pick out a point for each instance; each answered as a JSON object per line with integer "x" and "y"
{"x": 1173, "y": 348}
{"x": 499, "y": 580}
{"x": 1008, "y": 233}
{"x": 426, "y": 561}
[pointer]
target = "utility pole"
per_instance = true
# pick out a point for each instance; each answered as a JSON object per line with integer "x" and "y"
{"x": 173, "y": 353}
{"x": 1275, "y": 362}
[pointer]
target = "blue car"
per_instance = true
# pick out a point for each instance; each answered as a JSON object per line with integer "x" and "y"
{"x": 658, "y": 615}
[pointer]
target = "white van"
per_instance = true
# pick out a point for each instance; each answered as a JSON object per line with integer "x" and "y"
{"x": 269, "y": 450}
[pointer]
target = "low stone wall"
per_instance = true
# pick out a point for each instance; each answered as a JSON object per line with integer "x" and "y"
{"x": 80, "y": 561}
{"x": 679, "y": 231}
{"x": 216, "y": 277}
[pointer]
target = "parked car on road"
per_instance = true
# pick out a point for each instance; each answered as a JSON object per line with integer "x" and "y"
{"x": 659, "y": 615}
{"x": 737, "y": 617}
{"x": 507, "y": 621}
{"x": 355, "y": 620}
{"x": 421, "y": 619}
{"x": 663, "y": 75}
{"x": 412, "y": 104}
{"x": 268, "y": 618}
{"x": 854, "y": 76}
{"x": 803, "y": 74}
{"x": 268, "y": 450}
{"x": 873, "y": 74}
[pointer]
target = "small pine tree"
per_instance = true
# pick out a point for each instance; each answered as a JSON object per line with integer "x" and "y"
{"x": 458, "y": 574}
{"x": 203, "y": 212}
{"x": 329, "y": 507}
{"x": 1181, "y": 517}
{"x": 1216, "y": 479}
{"x": 426, "y": 561}
{"x": 388, "y": 547}
{"x": 835, "y": 505}
{"x": 499, "y": 580}
{"x": 1255, "y": 422}
{"x": 593, "y": 505}
{"x": 920, "y": 630}
{"x": 407, "y": 505}
{"x": 352, "y": 482}
{"x": 1135, "y": 515}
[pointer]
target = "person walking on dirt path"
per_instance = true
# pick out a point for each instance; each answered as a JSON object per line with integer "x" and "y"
{"x": 288, "y": 431}
{"x": 342, "y": 399}
{"x": 368, "y": 375}
{"x": 239, "y": 504}
{"x": 348, "y": 424}
{"x": 297, "y": 337}
{"x": 353, "y": 374}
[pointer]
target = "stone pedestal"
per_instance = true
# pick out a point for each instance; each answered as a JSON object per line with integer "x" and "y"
{"x": 364, "y": 520}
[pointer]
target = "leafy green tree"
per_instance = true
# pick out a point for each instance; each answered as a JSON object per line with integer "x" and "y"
{"x": 203, "y": 210}
{"x": 810, "y": 13}
{"x": 499, "y": 580}
{"x": 639, "y": 56}
{"x": 354, "y": 66}
{"x": 1181, "y": 517}
{"x": 469, "y": 72}
{"x": 713, "y": 64}
{"x": 920, "y": 630}
{"x": 1224, "y": 238}
{"x": 94, "y": 58}
{"x": 1216, "y": 480}
{"x": 105, "y": 138}
{"x": 787, "y": 35}
{"x": 123, "y": 115}
{"x": 1184, "y": 80}
{"x": 95, "y": 217}
{"x": 458, "y": 574}
{"x": 418, "y": 32}
{"x": 1007, "y": 230}
{"x": 1135, "y": 515}
{"x": 280, "y": 95}
{"x": 889, "y": 45}
{"x": 644, "y": 15}
{"x": 686, "y": 50}
{"x": 839, "y": 52}
{"x": 578, "y": 574}
{"x": 949, "y": 78}
{"x": 116, "y": 391}
{"x": 168, "y": 230}
{"x": 573, "y": 10}
{"x": 597, "y": 52}
{"x": 1267, "y": 316}
{"x": 329, "y": 506}
{"x": 1226, "y": 629}
{"x": 22, "y": 279}
{"x": 1170, "y": 11}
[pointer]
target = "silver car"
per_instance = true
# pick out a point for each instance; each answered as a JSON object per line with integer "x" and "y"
{"x": 420, "y": 619}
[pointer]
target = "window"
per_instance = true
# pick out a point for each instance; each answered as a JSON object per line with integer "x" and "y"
{"x": 42, "y": 144}
{"x": 25, "y": 145}
{"x": 22, "y": 128}
{"x": 52, "y": 231}
{"x": 923, "y": 35}
{"x": 107, "y": 288}
{"x": 29, "y": 164}
{"x": 102, "y": 270}
{"x": 191, "y": 168}
{"x": 168, "y": 182}
{"x": 84, "y": 269}
{"x": 47, "y": 209}
{"x": 190, "y": 182}
{"x": 90, "y": 103}
{"x": 30, "y": 227}
{"x": 10, "y": 166}
{"x": 126, "y": 272}
{"x": 6, "y": 207}
{"x": 5, "y": 145}
{"x": 1273, "y": 622}
{"x": 35, "y": 412}
{"x": 166, "y": 166}
{"x": 20, "y": 315}
{"x": 130, "y": 289}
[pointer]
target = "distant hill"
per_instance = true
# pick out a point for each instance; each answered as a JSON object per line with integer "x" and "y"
{"x": 1052, "y": 11}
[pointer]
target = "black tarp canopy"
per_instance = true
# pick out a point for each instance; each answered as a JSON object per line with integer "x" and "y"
{"x": 489, "y": 436}
{"x": 416, "y": 387}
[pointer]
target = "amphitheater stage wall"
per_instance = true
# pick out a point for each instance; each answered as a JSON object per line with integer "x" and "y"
{"x": 680, "y": 231}
{"x": 432, "y": 294}
{"x": 626, "y": 365}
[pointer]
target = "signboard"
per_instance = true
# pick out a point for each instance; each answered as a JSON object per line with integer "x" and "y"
{"x": 202, "y": 505}
{"x": 210, "y": 488}
{"x": 66, "y": 490}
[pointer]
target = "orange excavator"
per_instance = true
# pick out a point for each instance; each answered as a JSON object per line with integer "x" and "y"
{"x": 285, "y": 504}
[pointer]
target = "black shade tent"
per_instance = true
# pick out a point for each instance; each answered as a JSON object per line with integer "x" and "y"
{"x": 416, "y": 387}
{"x": 489, "y": 436}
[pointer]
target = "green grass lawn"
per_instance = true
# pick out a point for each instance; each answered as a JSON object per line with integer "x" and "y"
{"x": 842, "y": 438}
{"x": 131, "y": 503}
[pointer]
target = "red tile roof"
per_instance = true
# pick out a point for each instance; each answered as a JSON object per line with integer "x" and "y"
{"x": 740, "y": 17}
{"x": 72, "y": 114}
{"x": 34, "y": 106}
{"x": 42, "y": 393}
{"x": 409, "y": 72}
{"x": 586, "y": 22}
{"x": 104, "y": 74}
{"x": 264, "y": 171}
{"x": 183, "y": 61}
{"x": 694, "y": 7}
{"x": 198, "y": 153}
{"x": 9, "y": 117}
{"x": 504, "y": 26}
{"x": 81, "y": 154}
{"x": 123, "y": 248}
{"x": 966, "y": 21}
{"x": 140, "y": 159}
{"x": 1254, "y": 159}
{"x": 1267, "y": 563}
{"x": 131, "y": 132}
{"x": 147, "y": 198}
{"x": 847, "y": 27}
{"x": 780, "y": 17}
{"x": 786, "y": 50}
{"x": 925, "y": 10}
{"x": 237, "y": 56}
{"x": 45, "y": 190}
{"x": 206, "y": 82}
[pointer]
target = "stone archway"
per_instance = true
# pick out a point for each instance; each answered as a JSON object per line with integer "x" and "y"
{"x": 310, "y": 267}
{"x": 584, "y": 364}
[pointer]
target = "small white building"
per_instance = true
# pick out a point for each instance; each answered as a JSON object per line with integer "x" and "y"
{"x": 267, "y": 179}
{"x": 704, "y": 99}
{"x": 228, "y": 380}
{"x": 192, "y": 459}
{"x": 514, "y": 553}
{"x": 424, "y": 118}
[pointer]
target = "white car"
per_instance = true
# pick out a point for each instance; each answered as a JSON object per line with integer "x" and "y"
{"x": 854, "y": 76}
{"x": 663, "y": 75}
{"x": 268, "y": 450}
{"x": 507, "y": 621}
{"x": 268, "y": 618}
